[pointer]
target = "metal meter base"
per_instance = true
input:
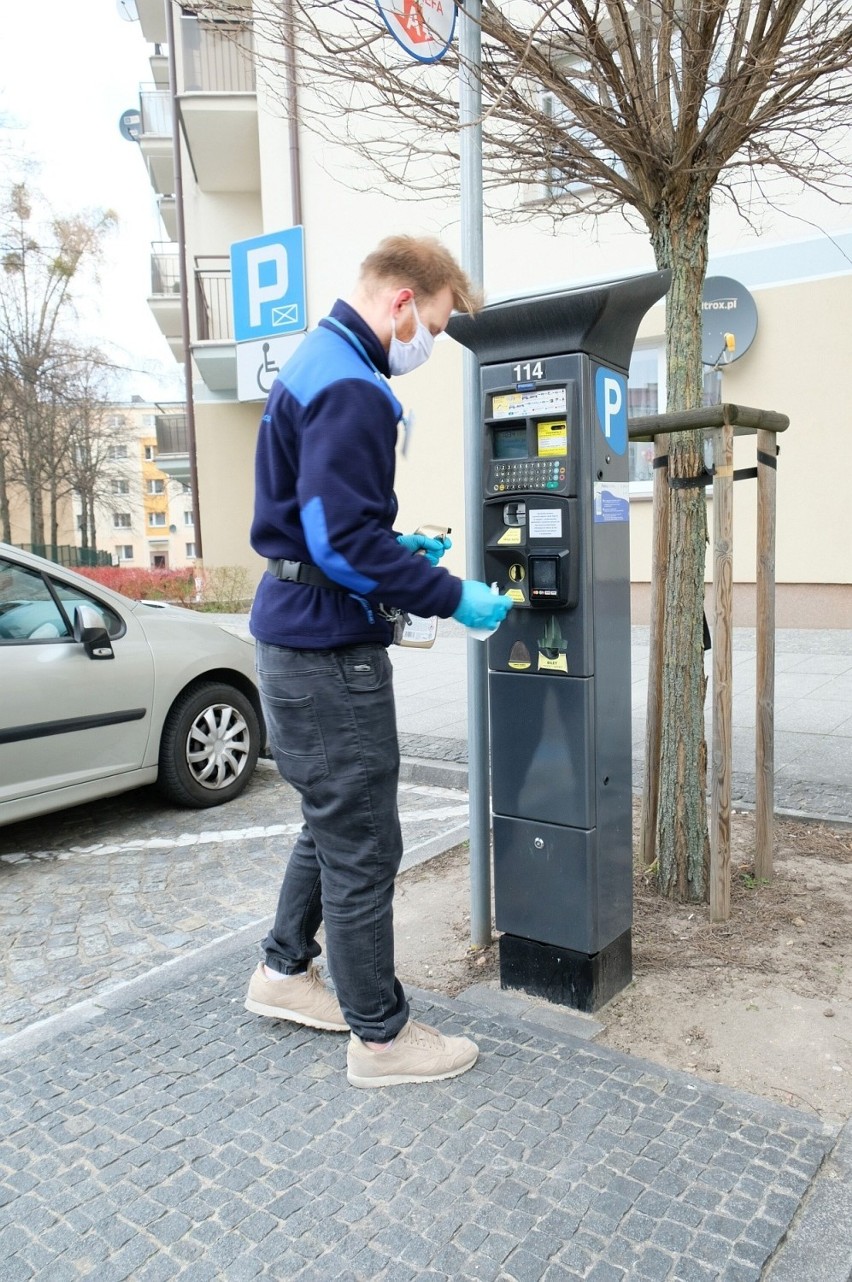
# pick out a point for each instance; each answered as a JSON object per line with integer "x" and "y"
{"x": 564, "y": 977}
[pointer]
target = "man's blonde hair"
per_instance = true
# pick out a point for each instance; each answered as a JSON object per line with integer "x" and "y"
{"x": 423, "y": 264}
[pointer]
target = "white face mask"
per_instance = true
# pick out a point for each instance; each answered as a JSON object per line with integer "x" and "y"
{"x": 404, "y": 357}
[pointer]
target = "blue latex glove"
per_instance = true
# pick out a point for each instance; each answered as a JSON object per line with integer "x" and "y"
{"x": 480, "y": 607}
{"x": 432, "y": 549}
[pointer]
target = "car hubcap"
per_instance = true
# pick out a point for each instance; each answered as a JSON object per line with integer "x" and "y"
{"x": 218, "y": 746}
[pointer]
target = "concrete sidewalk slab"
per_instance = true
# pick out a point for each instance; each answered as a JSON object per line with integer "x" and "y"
{"x": 813, "y": 720}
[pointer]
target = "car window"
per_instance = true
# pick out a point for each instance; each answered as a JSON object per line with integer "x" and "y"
{"x": 71, "y": 597}
{"x": 28, "y": 611}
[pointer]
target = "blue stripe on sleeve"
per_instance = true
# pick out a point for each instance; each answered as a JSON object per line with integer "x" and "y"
{"x": 324, "y": 555}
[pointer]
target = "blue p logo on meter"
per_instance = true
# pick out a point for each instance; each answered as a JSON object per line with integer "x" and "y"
{"x": 268, "y": 285}
{"x": 611, "y": 407}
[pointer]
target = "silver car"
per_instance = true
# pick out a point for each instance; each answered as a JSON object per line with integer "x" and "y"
{"x": 99, "y": 694}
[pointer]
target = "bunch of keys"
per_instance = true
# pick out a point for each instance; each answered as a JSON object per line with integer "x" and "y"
{"x": 420, "y": 633}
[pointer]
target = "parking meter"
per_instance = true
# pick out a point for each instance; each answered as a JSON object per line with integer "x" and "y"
{"x": 555, "y": 523}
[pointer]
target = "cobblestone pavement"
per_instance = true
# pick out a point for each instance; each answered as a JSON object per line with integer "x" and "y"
{"x": 159, "y": 1131}
{"x": 93, "y": 896}
{"x": 178, "y": 1136}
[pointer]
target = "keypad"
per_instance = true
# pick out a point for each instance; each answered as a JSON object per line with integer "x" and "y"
{"x": 527, "y": 474}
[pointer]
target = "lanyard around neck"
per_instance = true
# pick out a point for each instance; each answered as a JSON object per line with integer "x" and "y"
{"x": 357, "y": 344}
{"x": 406, "y": 419}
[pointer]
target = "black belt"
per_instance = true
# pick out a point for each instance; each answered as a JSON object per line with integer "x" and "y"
{"x": 300, "y": 572}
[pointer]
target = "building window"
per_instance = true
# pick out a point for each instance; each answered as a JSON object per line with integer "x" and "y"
{"x": 190, "y": 549}
{"x": 150, "y": 451}
{"x": 156, "y": 518}
{"x": 121, "y": 487}
{"x": 189, "y": 518}
{"x": 562, "y": 177}
{"x": 121, "y": 520}
{"x": 125, "y": 552}
{"x": 646, "y": 395}
{"x": 156, "y": 487}
{"x": 117, "y": 452}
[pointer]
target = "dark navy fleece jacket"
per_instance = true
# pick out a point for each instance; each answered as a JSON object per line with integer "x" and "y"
{"x": 324, "y": 476}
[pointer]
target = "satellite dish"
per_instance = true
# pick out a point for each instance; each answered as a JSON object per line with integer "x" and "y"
{"x": 127, "y": 10}
{"x": 729, "y": 321}
{"x": 130, "y": 124}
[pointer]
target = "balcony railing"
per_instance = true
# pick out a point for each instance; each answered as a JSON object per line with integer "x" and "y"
{"x": 155, "y": 108}
{"x": 213, "y": 298}
{"x": 218, "y": 56}
{"x": 172, "y": 434}
{"x": 165, "y": 268}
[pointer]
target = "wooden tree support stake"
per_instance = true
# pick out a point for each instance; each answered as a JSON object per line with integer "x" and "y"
{"x": 723, "y": 598}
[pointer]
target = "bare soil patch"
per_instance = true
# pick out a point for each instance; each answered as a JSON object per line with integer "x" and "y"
{"x": 762, "y": 1001}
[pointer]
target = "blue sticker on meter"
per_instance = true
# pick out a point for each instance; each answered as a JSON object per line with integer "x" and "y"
{"x": 611, "y": 407}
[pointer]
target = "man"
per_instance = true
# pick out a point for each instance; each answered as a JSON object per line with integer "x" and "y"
{"x": 324, "y": 515}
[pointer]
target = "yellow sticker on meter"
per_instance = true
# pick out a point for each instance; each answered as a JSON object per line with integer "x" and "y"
{"x": 552, "y": 438}
{"x": 511, "y": 536}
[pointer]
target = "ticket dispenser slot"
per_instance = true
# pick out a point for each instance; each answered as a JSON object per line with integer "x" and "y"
{"x": 555, "y": 526}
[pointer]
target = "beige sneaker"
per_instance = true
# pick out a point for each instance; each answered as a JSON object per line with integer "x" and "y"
{"x": 418, "y": 1054}
{"x": 304, "y": 999}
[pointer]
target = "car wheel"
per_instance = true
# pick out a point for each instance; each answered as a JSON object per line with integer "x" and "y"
{"x": 209, "y": 747}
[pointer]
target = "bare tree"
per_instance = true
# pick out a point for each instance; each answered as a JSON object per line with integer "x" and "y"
{"x": 39, "y": 269}
{"x": 93, "y": 467}
{"x": 656, "y": 109}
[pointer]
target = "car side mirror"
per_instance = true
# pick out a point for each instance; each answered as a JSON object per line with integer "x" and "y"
{"x": 91, "y": 631}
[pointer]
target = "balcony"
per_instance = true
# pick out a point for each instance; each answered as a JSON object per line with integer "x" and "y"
{"x": 215, "y": 351}
{"x": 218, "y": 103}
{"x": 167, "y": 206}
{"x": 173, "y": 446}
{"x": 164, "y": 299}
{"x": 159, "y": 62}
{"x": 155, "y": 139}
{"x": 152, "y": 20}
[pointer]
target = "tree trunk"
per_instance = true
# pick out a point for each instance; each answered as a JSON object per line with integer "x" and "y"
{"x": 5, "y": 513}
{"x": 84, "y": 521}
{"x": 36, "y": 513}
{"x": 683, "y": 847}
{"x": 54, "y": 515}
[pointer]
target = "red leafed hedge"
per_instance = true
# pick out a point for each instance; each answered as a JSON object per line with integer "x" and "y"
{"x": 139, "y": 584}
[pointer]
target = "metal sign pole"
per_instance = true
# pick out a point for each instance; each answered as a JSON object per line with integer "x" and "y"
{"x": 427, "y": 39}
{"x": 470, "y": 130}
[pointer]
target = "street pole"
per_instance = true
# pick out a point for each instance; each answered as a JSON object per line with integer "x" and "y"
{"x": 183, "y": 276}
{"x": 470, "y": 138}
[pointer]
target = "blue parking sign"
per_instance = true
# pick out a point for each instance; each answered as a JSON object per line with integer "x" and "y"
{"x": 268, "y": 285}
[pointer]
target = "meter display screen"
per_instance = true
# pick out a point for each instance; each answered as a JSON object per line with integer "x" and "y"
{"x": 510, "y": 442}
{"x": 543, "y": 575}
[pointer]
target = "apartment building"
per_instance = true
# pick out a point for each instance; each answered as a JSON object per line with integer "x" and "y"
{"x": 147, "y": 519}
{"x": 245, "y": 173}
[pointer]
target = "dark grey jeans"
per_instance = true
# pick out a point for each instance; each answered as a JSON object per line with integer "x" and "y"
{"x": 332, "y": 728}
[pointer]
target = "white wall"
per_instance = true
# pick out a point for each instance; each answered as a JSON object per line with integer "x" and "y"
{"x": 798, "y": 365}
